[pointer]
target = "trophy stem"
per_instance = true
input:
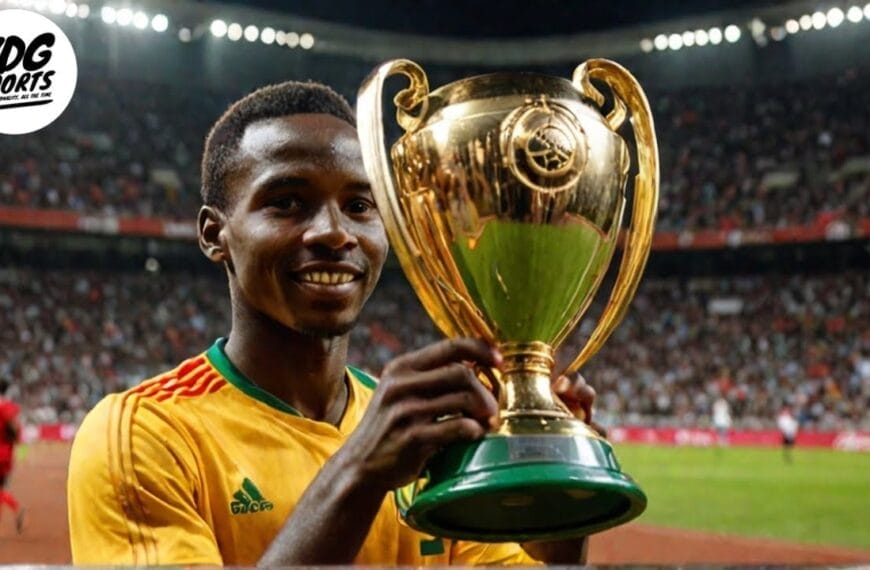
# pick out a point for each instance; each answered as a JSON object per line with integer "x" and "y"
{"x": 526, "y": 378}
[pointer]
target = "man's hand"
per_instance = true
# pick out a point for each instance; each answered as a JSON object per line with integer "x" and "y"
{"x": 425, "y": 400}
{"x": 579, "y": 397}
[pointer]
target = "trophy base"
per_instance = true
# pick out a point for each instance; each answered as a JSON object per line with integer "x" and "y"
{"x": 527, "y": 487}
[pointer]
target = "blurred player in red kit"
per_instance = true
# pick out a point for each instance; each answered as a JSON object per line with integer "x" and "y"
{"x": 9, "y": 435}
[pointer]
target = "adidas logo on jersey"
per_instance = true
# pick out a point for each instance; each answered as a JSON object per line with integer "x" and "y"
{"x": 248, "y": 499}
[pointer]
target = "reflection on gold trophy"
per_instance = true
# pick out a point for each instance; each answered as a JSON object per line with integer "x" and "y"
{"x": 503, "y": 201}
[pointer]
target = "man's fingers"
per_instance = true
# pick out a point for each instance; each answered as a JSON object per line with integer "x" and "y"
{"x": 449, "y": 351}
{"x": 576, "y": 393}
{"x": 439, "y": 434}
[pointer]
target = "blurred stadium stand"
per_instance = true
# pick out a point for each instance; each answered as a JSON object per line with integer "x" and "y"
{"x": 758, "y": 287}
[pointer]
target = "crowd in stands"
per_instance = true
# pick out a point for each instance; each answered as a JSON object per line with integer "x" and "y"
{"x": 735, "y": 158}
{"x": 70, "y": 337}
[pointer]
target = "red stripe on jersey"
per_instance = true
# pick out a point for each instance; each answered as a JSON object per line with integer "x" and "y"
{"x": 192, "y": 378}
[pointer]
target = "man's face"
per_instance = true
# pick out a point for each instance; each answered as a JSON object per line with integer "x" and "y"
{"x": 304, "y": 240}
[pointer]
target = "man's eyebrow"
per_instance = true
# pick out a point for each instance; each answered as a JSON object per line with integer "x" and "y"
{"x": 359, "y": 187}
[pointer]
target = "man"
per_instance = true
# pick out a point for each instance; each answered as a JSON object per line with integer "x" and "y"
{"x": 722, "y": 420}
{"x": 9, "y": 435}
{"x": 788, "y": 426}
{"x": 268, "y": 448}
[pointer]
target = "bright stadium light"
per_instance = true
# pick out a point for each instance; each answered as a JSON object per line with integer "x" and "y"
{"x": 218, "y": 28}
{"x": 835, "y": 17}
{"x": 140, "y": 20}
{"x": 701, "y": 37}
{"x": 732, "y": 34}
{"x": 108, "y": 14}
{"x": 806, "y": 22}
{"x": 854, "y": 14}
{"x": 867, "y": 10}
{"x": 72, "y": 10}
{"x": 715, "y": 36}
{"x": 792, "y": 26}
{"x": 185, "y": 35}
{"x": 688, "y": 38}
{"x": 646, "y": 45}
{"x": 234, "y": 32}
{"x": 661, "y": 42}
{"x": 280, "y": 37}
{"x": 252, "y": 33}
{"x": 57, "y": 6}
{"x": 267, "y": 35}
{"x": 675, "y": 41}
{"x": 84, "y": 11}
{"x": 778, "y": 33}
{"x": 125, "y": 17}
{"x": 306, "y": 41}
{"x": 292, "y": 39}
{"x": 819, "y": 20}
{"x": 40, "y": 5}
{"x": 757, "y": 27}
{"x": 160, "y": 23}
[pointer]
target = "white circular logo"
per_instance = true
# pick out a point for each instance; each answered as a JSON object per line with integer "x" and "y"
{"x": 38, "y": 72}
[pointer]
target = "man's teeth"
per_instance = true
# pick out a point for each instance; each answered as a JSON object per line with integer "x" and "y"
{"x": 327, "y": 277}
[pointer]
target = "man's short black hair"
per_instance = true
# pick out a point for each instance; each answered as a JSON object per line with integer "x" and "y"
{"x": 4, "y": 385}
{"x": 279, "y": 100}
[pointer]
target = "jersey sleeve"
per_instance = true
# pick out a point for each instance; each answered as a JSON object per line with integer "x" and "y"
{"x": 133, "y": 489}
{"x": 464, "y": 553}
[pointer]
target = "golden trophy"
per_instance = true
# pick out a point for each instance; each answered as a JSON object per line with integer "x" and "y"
{"x": 503, "y": 201}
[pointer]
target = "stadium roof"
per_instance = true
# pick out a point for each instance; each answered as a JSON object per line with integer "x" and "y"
{"x": 496, "y": 18}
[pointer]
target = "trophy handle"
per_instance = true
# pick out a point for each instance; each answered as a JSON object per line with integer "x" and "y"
{"x": 627, "y": 92}
{"x": 369, "y": 110}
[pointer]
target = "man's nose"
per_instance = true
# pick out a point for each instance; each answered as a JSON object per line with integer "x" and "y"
{"x": 329, "y": 228}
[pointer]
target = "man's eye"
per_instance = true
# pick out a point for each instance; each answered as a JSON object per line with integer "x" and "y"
{"x": 286, "y": 203}
{"x": 360, "y": 206}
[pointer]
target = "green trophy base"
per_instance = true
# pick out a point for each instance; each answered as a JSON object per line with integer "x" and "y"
{"x": 517, "y": 488}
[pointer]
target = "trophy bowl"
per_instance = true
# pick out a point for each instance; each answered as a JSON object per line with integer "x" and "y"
{"x": 503, "y": 201}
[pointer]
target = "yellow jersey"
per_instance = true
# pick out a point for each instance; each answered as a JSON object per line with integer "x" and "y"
{"x": 200, "y": 466}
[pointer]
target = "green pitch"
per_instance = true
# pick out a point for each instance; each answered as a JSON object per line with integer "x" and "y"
{"x": 822, "y": 497}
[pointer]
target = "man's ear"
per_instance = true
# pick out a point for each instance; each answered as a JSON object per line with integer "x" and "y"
{"x": 209, "y": 224}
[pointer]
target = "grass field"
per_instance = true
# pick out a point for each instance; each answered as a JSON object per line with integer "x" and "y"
{"x": 822, "y": 497}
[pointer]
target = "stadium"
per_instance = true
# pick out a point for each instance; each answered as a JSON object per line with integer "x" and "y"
{"x": 755, "y": 300}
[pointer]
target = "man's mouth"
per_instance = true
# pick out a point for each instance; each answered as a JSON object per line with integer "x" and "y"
{"x": 326, "y": 277}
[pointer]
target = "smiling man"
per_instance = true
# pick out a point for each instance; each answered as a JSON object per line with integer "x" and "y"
{"x": 268, "y": 447}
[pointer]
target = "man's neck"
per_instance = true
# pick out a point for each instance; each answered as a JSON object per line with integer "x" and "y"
{"x": 306, "y": 372}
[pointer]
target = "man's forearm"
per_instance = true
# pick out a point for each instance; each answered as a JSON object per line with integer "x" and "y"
{"x": 330, "y": 522}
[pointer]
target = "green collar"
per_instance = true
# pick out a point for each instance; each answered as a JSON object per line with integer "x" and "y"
{"x": 218, "y": 358}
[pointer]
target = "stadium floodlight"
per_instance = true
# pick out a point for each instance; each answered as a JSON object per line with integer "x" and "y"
{"x": 292, "y": 39}
{"x": 661, "y": 42}
{"x": 185, "y": 35}
{"x": 778, "y": 33}
{"x": 757, "y": 27}
{"x": 160, "y": 23}
{"x": 688, "y": 38}
{"x": 57, "y": 6}
{"x": 715, "y": 36}
{"x": 267, "y": 35}
{"x": 234, "y": 32}
{"x": 125, "y": 17}
{"x": 280, "y": 37}
{"x": 835, "y": 17}
{"x": 675, "y": 41}
{"x": 72, "y": 10}
{"x": 252, "y": 33}
{"x": 732, "y": 34}
{"x": 701, "y": 38}
{"x": 867, "y": 10}
{"x": 646, "y": 45}
{"x": 108, "y": 14}
{"x": 806, "y": 22}
{"x": 792, "y": 26}
{"x": 306, "y": 41}
{"x": 140, "y": 20}
{"x": 218, "y": 28}
{"x": 819, "y": 20}
{"x": 854, "y": 14}
{"x": 40, "y": 5}
{"x": 84, "y": 11}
